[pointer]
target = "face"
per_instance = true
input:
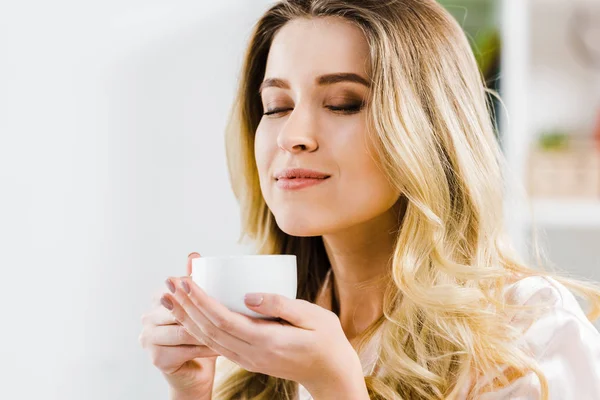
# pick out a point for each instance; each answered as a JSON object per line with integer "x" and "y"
{"x": 318, "y": 174}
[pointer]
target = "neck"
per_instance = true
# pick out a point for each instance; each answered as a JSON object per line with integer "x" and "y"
{"x": 359, "y": 259}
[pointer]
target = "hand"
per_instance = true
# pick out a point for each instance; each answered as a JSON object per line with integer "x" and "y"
{"x": 308, "y": 347}
{"x": 187, "y": 364}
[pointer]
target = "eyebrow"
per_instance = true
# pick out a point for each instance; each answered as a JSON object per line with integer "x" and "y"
{"x": 322, "y": 80}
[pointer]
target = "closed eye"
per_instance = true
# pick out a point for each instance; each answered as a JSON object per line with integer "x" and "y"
{"x": 277, "y": 111}
{"x": 345, "y": 109}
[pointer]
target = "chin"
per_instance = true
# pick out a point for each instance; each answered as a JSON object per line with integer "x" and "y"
{"x": 297, "y": 224}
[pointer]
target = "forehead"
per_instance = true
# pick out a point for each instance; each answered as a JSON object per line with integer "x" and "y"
{"x": 304, "y": 48}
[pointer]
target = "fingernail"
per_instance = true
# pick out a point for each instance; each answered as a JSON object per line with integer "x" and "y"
{"x": 170, "y": 285}
{"x": 185, "y": 287}
{"x": 166, "y": 303}
{"x": 253, "y": 299}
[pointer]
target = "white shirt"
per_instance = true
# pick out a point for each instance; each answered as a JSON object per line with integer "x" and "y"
{"x": 563, "y": 341}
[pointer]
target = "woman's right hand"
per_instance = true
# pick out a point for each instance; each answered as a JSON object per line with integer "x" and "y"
{"x": 187, "y": 365}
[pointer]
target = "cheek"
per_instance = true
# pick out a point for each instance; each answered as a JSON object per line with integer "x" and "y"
{"x": 263, "y": 152}
{"x": 364, "y": 187}
{"x": 364, "y": 191}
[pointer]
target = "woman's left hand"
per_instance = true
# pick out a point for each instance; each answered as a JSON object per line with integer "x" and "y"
{"x": 310, "y": 347}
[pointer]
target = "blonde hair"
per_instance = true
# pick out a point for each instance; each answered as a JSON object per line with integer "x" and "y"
{"x": 444, "y": 316}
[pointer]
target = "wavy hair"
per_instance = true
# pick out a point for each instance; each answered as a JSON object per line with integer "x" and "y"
{"x": 444, "y": 316}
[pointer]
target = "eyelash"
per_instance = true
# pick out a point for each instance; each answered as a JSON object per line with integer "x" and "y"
{"x": 345, "y": 109}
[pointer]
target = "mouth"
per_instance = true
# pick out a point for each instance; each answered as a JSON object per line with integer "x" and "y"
{"x": 298, "y": 178}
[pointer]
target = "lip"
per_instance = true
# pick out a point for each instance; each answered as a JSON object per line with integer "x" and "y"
{"x": 299, "y": 178}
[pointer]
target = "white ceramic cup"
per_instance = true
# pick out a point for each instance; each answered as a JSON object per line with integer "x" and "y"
{"x": 227, "y": 279}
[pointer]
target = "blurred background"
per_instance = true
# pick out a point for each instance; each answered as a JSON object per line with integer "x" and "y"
{"x": 543, "y": 57}
{"x": 112, "y": 165}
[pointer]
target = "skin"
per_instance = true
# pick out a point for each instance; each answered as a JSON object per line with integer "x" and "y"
{"x": 186, "y": 363}
{"x": 354, "y": 210}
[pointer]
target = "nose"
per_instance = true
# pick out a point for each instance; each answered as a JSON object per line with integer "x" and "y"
{"x": 299, "y": 132}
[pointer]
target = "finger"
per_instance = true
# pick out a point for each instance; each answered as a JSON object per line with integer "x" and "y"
{"x": 191, "y": 351}
{"x": 221, "y": 327}
{"x": 236, "y": 324}
{"x": 169, "y": 335}
{"x": 300, "y": 313}
{"x": 191, "y": 256}
{"x": 201, "y": 329}
{"x": 170, "y": 358}
{"x": 158, "y": 316}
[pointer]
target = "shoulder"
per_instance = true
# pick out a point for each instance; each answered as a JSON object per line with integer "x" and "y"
{"x": 558, "y": 335}
{"x": 545, "y": 300}
{"x": 551, "y": 316}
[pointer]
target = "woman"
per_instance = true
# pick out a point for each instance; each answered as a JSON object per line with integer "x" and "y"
{"x": 361, "y": 141}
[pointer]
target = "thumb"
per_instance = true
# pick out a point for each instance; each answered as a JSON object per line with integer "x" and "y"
{"x": 191, "y": 256}
{"x": 299, "y": 313}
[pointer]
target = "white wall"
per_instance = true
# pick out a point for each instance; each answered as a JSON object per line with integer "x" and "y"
{"x": 112, "y": 170}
